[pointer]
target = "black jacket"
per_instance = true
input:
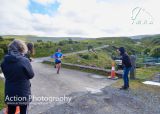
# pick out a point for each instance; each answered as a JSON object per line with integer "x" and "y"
{"x": 126, "y": 62}
{"x": 18, "y": 72}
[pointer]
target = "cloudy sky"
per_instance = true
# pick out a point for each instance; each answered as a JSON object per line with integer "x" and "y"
{"x": 81, "y": 18}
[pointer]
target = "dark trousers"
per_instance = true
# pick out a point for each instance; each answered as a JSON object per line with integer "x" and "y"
{"x": 125, "y": 76}
{"x": 12, "y": 109}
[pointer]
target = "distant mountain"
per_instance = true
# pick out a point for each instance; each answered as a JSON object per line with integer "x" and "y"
{"x": 139, "y": 36}
{"x": 35, "y": 38}
{"x": 143, "y": 36}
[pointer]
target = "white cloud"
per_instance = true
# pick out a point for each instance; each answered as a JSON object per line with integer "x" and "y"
{"x": 86, "y": 18}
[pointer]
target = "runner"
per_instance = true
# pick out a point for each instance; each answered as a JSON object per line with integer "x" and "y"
{"x": 58, "y": 57}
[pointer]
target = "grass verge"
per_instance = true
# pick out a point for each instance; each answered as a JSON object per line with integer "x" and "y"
{"x": 1, "y": 94}
{"x": 142, "y": 74}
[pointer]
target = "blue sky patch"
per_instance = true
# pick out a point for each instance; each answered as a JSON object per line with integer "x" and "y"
{"x": 49, "y": 9}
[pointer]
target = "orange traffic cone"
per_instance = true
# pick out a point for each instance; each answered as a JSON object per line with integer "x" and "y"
{"x": 113, "y": 73}
{"x": 17, "y": 110}
{"x": 5, "y": 111}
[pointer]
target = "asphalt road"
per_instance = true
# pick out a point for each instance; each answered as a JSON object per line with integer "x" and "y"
{"x": 47, "y": 83}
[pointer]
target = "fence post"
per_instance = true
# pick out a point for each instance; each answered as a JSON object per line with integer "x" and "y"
{"x": 133, "y": 69}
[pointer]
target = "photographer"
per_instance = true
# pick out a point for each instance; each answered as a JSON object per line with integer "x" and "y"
{"x": 18, "y": 72}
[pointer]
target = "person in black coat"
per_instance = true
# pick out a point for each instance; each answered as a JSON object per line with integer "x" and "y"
{"x": 30, "y": 51}
{"x": 18, "y": 72}
{"x": 126, "y": 63}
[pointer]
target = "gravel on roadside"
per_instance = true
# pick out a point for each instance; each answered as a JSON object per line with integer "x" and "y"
{"x": 110, "y": 101}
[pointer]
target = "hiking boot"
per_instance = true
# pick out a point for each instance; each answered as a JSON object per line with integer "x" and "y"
{"x": 124, "y": 88}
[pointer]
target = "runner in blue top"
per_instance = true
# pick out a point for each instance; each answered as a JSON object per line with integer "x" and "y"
{"x": 58, "y": 57}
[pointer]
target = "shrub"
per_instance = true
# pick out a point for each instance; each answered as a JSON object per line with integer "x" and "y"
{"x": 39, "y": 41}
{"x": 62, "y": 43}
{"x": 70, "y": 41}
{"x": 96, "y": 56}
{"x": 1, "y": 38}
{"x": 84, "y": 56}
{"x": 4, "y": 45}
{"x": 1, "y": 53}
{"x": 155, "y": 52}
{"x": 147, "y": 51}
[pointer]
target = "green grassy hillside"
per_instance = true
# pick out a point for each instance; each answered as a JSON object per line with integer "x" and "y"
{"x": 151, "y": 40}
{"x": 99, "y": 59}
{"x": 151, "y": 45}
{"x": 46, "y": 48}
